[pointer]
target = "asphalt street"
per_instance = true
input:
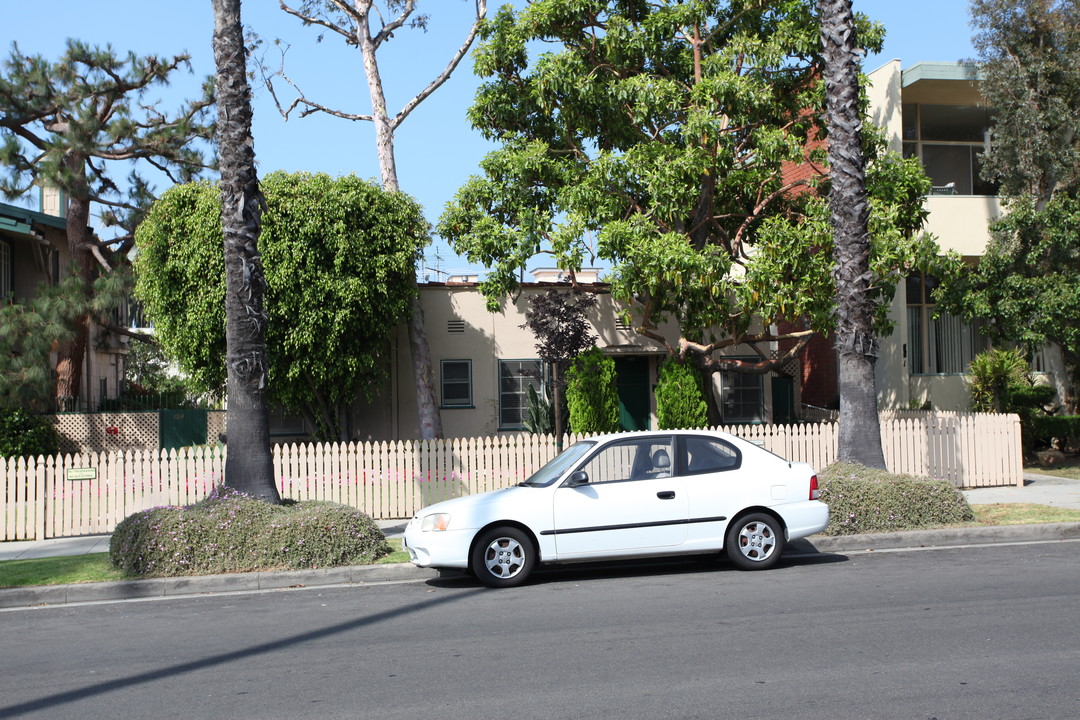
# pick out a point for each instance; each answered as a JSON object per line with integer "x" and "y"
{"x": 953, "y": 634}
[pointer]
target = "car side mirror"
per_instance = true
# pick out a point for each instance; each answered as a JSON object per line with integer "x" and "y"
{"x": 578, "y": 477}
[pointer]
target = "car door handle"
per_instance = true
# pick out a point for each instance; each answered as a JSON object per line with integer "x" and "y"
{"x": 666, "y": 494}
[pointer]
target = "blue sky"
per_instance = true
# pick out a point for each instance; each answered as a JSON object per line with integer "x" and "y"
{"x": 436, "y": 148}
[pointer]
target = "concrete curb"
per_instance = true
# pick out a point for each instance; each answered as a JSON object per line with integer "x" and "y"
{"x": 366, "y": 574}
{"x": 207, "y": 584}
{"x": 938, "y": 538}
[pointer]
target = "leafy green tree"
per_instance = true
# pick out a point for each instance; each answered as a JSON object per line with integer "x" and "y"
{"x": 364, "y": 25}
{"x": 339, "y": 257}
{"x": 24, "y": 434}
{"x": 1028, "y": 55}
{"x": 1027, "y": 282}
{"x": 659, "y": 133}
{"x": 592, "y": 395}
{"x": 680, "y": 400}
{"x": 151, "y": 382}
{"x": 74, "y": 124}
{"x": 249, "y": 466}
{"x": 856, "y": 305}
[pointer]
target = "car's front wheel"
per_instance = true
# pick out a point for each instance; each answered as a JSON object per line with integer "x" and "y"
{"x": 503, "y": 557}
{"x": 754, "y": 542}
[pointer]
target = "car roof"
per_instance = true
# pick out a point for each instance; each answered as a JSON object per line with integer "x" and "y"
{"x": 631, "y": 434}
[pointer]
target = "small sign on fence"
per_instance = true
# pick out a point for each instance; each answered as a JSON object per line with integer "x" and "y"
{"x": 87, "y": 473}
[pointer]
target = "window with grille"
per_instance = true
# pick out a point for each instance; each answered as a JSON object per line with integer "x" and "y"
{"x": 456, "y": 387}
{"x": 515, "y": 378}
{"x": 743, "y": 397}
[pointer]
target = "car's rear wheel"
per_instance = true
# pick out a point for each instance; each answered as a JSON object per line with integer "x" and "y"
{"x": 754, "y": 542}
{"x": 503, "y": 557}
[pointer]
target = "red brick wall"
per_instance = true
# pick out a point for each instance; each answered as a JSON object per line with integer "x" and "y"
{"x": 817, "y": 378}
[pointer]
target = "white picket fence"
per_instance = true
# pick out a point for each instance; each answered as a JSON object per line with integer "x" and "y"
{"x": 89, "y": 493}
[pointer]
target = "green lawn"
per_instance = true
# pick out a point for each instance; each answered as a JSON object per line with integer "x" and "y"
{"x": 97, "y": 568}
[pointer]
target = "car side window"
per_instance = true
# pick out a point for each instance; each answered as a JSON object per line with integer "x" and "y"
{"x": 631, "y": 460}
{"x": 699, "y": 455}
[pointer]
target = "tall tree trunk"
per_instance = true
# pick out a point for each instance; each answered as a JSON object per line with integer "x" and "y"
{"x": 249, "y": 465}
{"x": 427, "y": 408}
{"x": 860, "y": 428}
{"x": 72, "y": 354}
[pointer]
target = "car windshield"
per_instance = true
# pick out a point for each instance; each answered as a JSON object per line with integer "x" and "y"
{"x": 559, "y": 464}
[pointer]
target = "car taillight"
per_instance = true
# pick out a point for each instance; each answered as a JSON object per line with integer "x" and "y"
{"x": 814, "y": 492}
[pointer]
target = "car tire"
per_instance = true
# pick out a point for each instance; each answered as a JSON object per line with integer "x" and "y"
{"x": 503, "y": 557}
{"x": 754, "y": 542}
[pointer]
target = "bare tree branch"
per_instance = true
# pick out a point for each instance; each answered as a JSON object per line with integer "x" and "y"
{"x": 481, "y": 11}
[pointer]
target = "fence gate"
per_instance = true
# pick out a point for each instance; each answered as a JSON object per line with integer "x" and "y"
{"x": 181, "y": 428}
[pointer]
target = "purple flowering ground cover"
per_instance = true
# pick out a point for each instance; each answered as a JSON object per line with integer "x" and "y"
{"x": 863, "y": 500}
{"x": 231, "y": 532}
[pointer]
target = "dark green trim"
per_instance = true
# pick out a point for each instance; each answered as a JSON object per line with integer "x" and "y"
{"x": 15, "y": 214}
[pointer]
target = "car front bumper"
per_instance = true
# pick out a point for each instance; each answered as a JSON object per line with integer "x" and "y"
{"x": 437, "y": 549}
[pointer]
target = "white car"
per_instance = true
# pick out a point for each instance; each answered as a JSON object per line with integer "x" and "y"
{"x": 629, "y": 495}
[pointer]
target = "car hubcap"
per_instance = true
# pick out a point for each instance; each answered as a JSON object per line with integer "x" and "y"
{"x": 504, "y": 557}
{"x": 757, "y": 541}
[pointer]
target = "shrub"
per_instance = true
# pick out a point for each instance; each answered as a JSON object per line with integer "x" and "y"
{"x": 24, "y": 434}
{"x": 233, "y": 532}
{"x": 540, "y": 419}
{"x": 863, "y": 500}
{"x": 680, "y": 402}
{"x": 1065, "y": 428}
{"x": 592, "y": 395}
{"x": 993, "y": 375}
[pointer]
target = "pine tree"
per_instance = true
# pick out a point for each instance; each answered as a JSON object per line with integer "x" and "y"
{"x": 74, "y": 124}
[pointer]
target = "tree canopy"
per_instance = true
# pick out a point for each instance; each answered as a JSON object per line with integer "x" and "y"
{"x": 365, "y": 25}
{"x": 1027, "y": 283}
{"x": 1029, "y": 69}
{"x": 88, "y": 125}
{"x": 660, "y": 137}
{"x": 339, "y": 257}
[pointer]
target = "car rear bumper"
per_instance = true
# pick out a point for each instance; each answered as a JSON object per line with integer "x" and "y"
{"x": 805, "y": 518}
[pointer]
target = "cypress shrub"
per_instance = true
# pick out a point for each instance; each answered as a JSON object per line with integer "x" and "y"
{"x": 680, "y": 399}
{"x": 592, "y": 395}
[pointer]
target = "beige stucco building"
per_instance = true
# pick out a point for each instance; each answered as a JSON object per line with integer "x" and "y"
{"x": 934, "y": 111}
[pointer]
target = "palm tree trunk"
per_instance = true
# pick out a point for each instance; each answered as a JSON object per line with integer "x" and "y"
{"x": 249, "y": 465}
{"x": 860, "y": 429}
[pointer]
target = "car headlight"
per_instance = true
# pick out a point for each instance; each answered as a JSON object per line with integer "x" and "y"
{"x": 438, "y": 522}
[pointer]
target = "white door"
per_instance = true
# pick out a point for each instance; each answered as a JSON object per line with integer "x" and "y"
{"x": 632, "y": 502}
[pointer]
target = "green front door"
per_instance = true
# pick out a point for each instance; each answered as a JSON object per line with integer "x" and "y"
{"x": 783, "y": 400}
{"x": 632, "y": 380}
